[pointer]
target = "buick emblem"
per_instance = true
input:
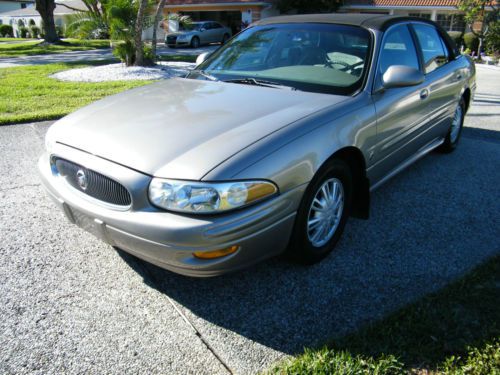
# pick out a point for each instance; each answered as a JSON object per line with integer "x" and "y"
{"x": 81, "y": 179}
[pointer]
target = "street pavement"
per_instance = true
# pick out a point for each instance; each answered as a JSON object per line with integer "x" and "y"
{"x": 69, "y": 303}
{"x": 94, "y": 55}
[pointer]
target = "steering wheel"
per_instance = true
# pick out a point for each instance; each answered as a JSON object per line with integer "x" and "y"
{"x": 330, "y": 63}
{"x": 312, "y": 56}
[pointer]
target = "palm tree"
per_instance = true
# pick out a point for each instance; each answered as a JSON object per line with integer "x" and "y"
{"x": 139, "y": 24}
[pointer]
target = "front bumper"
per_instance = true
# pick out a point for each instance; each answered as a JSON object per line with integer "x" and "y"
{"x": 168, "y": 239}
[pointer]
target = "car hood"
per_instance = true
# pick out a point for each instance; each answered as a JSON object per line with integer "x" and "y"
{"x": 183, "y": 128}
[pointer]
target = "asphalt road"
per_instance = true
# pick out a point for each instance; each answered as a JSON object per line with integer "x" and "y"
{"x": 69, "y": 303}
{"x": 94, "y": 55}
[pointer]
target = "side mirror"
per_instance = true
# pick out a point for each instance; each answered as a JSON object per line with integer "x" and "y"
{"x": 401, "y": 76}
{"x": 201, "y": 58}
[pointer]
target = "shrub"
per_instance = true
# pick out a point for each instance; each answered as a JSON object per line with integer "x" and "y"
{"x": 60, "y": 31}
{"x": 125, "y": 51}
{"x": 492, "y": 40}
{"x": 456, "y": 36}
{"x": 471, "y": 41}
{"x": 6, "y": 30}
{"x": 23, "y": 31}
{"x": 31, "y": 22}
{"x": 35, "y": 31}
{"x": 148, "y": 55}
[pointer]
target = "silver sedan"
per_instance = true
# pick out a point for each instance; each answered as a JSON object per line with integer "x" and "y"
{"x": 198, "y": 33}
{"x": 268, "y": 146}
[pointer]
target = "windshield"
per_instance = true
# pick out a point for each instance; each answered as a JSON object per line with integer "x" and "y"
{"x": 325, "y": 58}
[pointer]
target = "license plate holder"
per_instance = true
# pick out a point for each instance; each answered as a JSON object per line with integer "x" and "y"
{"x": 89, "y": 224}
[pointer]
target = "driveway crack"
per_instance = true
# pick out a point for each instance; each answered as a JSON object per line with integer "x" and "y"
{"x": 188, "y": 322}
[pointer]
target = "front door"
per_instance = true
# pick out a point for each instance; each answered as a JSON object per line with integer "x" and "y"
{"x": 401, "y": 111}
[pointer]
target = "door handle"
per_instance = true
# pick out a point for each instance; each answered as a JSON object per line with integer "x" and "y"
{"x": 424, "y": 94}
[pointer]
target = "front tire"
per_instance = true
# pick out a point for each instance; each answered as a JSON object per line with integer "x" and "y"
{"x": 322, "y": 214}
{"x": 453, "y": 135}
{"x": 195, "y": 42}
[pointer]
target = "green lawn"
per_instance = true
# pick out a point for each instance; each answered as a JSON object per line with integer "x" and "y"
{"x": 35, "y": 48}
{"x": 455, "y": 331}
{"x": 28, "y": 94}
{"x": 14, "y": 40}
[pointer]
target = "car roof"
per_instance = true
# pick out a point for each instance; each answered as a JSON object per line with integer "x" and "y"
{"x": 370, "y": 21}
{"x": 373, "y": 21}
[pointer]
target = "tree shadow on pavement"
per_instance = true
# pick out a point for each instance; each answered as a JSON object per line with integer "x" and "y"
{"x": 429, "y": 226}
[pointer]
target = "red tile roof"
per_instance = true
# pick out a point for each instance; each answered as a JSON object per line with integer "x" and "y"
{"x": 404, "y": 3}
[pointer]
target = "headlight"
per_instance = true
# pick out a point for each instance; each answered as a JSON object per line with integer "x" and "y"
{"x": 199, "y": 197}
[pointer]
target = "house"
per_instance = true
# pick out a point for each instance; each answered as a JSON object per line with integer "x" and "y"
{"x": 444, "y": 12}
{"x": 232, "y": 13}
{"x": 28, "y": 15}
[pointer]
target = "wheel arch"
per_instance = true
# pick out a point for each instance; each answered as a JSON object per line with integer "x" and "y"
{"x": 354, "y": 158}
{"x": 467, "y": 97}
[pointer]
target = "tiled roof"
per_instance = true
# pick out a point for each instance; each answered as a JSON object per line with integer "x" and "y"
{"x": 404, "y": 3}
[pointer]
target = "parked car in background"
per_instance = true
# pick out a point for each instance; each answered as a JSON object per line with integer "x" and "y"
{"x": 268, "y": 145}
{"x": 197, "y": 34}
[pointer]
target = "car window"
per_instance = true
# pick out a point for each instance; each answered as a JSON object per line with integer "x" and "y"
{"x": 311, "y": 57}
{"x": 397, "y": 49}
{"x": 216, "y": 25}
{"x": 432, "y": 47}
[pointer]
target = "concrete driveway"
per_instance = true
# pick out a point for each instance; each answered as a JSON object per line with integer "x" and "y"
{"x": 95, "y": 55}
{"x": 71, "y": 304}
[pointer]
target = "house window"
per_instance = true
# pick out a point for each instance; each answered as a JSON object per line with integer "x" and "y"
{"x": 23, "y": 5}
{"x": 426, "y": 16}
{"x": 451, "y": 22}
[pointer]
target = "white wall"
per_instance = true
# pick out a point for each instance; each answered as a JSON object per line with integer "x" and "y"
{"x": 8, "y": 20}
{"x": 148, "y": 34}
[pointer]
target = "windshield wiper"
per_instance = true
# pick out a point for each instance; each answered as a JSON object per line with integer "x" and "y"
{"x": 259, "y": 82}
{"x": 207, "y": 76}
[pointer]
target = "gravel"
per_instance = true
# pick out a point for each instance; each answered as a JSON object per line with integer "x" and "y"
{"x": 120, "y": 72}
{"x": 72, "y": 304}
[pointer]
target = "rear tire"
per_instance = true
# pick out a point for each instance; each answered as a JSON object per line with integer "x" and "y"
{"x": 225, "y": 38}
{"x": 319, "y": 214}
{"x": 453, "y": 135}
{"x": 195, "y": 42}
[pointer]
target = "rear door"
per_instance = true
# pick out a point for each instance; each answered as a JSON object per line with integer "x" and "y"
{"x": 218, "y": 32}
{"x": 402, "y": 112}
{"x": 211, "y": 32}
{"x": 444, "y": 81}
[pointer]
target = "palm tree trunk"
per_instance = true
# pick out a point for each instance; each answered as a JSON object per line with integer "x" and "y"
{"x": 46, "y": 10}
{"x": 158, "y": 16}
{"x": 139, "y": 50}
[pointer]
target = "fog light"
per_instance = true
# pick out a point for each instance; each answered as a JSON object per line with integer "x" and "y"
{"x": 215, "y": 253}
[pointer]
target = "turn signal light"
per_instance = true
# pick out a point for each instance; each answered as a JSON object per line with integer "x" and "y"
{"x": 215, "y": 253}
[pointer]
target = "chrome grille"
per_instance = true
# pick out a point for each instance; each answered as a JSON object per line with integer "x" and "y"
{"x": 92, "y": 183}
{"x": 171, "y": 39}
